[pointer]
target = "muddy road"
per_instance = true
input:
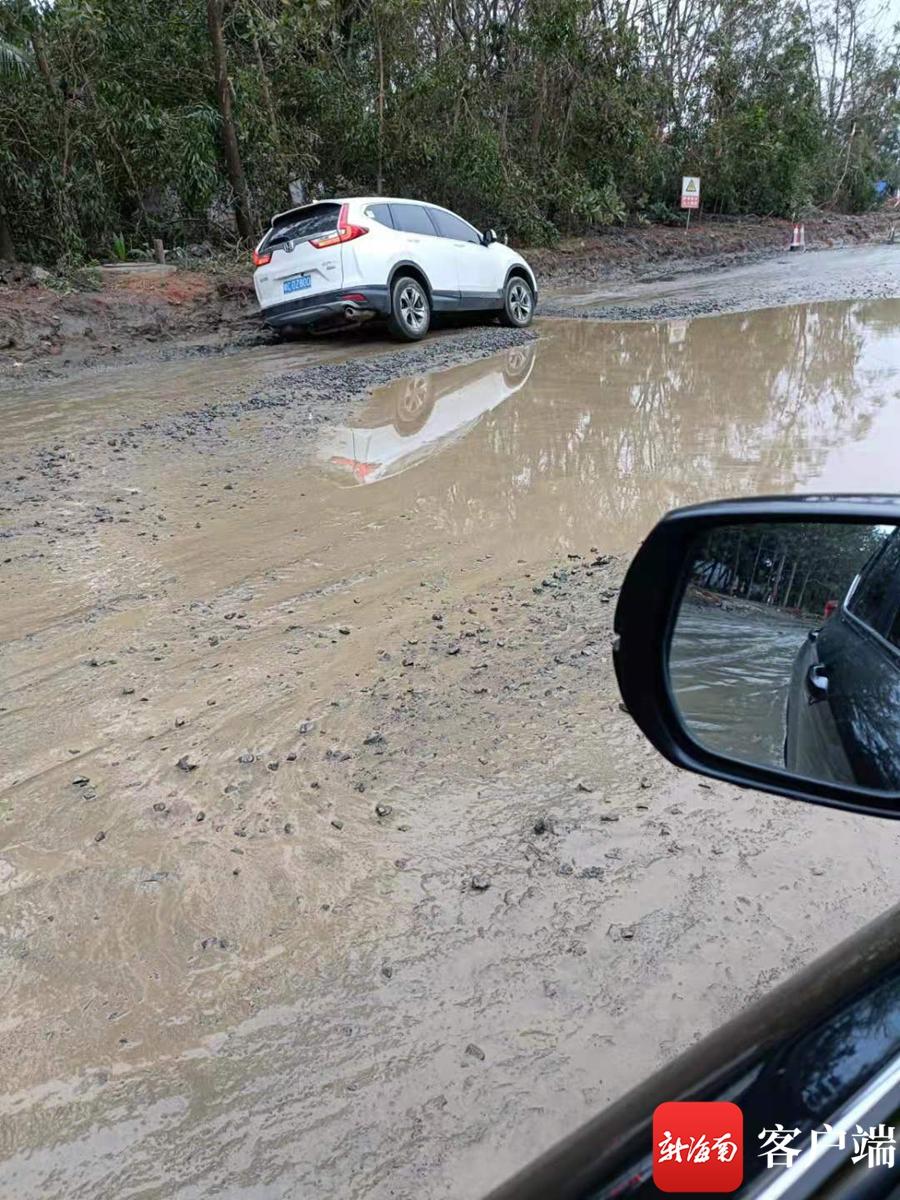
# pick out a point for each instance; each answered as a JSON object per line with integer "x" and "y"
{"x": 329, "y": 864}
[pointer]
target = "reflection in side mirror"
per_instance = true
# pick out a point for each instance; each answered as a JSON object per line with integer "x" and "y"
{"x": 785, "y": 651}
{"x": 489, "y": 235}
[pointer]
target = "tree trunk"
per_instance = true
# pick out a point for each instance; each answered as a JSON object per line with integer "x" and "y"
{"x": 787, "y": 593}
{"x": 735, "y": 576}
{"x": 379, "y": 183}
{"x": 753, "y": 572}
{"x": 233, "y": 164}
{"x": 267, "y": 94}
{"x": 7, "y": 249}
{"x": 773, "y": 595}
{"x": 803, "y": 590}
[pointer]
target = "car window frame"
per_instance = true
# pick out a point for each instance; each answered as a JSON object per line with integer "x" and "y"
{"x": 423, "y": 208}
{"x": 372, "y": 216}
{"x": 450, "y": 237}
{"x": 890, "y": 602}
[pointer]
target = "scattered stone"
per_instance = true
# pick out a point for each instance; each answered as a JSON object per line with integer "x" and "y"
{"x": 542, "y": 825}
{"x": 608, "y": 817}
{"x": 291, "y": 756}
{"x": 387, "y": 970}
{"x": 623, "y": 707}
{"x": 374, "y": 739}
{"x": 288, "y": 827}
{"x": 565, "y": 869}
{"x": 454, "y": 649}
{"x": 480, "y": 883}
{"x": 383, "y": 810}
{"x": 306, "y": 726}
{"x": 247, "y": 758}
{"x": 214, "y": 943}
{"x": 584, "y": 786}
{"x": 336, "y": 824}
{"x": 474, "y": 1051}
{"x": 180, "y": 722}
{"x": 100, "y": 837}
{"x": 129, "y": 691}
{"x": 159, "y": 806}
{"x": 80, "y": 781}
{"x": 591, "y": 873}
{"x": 186, "y": 763}
{"x": 201, "y": 816}
{"x": 273, "y": 765}
{"x": 344, "y": 629}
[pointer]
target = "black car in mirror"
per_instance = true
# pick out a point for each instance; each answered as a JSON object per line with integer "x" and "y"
{"x": 758, "y": 641}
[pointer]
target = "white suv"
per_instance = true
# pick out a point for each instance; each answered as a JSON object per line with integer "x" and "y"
{"x": 351, "y": 259}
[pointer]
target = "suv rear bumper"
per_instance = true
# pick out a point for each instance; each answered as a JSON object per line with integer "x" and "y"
{"x": 347, "y": 304}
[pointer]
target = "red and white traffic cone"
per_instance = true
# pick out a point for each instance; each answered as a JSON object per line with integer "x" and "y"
{"x": 798, "y": 241}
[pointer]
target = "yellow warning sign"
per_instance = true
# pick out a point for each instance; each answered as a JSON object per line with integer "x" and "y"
{"x": 690, "y": 191}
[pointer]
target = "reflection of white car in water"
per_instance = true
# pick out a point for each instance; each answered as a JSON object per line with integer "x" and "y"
{"x": 408, "y": 421}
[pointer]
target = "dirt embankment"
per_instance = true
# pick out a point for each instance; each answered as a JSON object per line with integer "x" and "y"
{"x": 66, "y": 326}
{"x": 49, "y": 327}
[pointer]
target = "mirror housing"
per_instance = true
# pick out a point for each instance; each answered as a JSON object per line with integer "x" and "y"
{"x": 489, "y": 235}
{"x": 645, "y": 619}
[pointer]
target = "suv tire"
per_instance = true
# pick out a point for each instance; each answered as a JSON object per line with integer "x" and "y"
{"x": 410, "y": 317}
{"x": 518, "y": 303}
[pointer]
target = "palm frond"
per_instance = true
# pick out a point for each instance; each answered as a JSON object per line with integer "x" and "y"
{"x": 13, "y": 59}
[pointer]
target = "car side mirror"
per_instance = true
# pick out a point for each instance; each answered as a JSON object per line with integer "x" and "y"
{"x": 758, "y": 642}
{"x": 489, "y": 235}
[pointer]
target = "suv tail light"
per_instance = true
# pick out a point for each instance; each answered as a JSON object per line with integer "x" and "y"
{"x": 261, "y": 260}
{"x": 345, "y": 233}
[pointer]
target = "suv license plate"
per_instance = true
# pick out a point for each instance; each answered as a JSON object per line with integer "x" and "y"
{"x": 297, "y": 284}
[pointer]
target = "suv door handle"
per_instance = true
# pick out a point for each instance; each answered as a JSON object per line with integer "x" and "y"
{"x": 817, "y": 683}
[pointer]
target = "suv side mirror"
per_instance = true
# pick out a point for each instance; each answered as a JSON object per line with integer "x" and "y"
{"x": 758, "y": 641}
{"x": 489, "y": 235}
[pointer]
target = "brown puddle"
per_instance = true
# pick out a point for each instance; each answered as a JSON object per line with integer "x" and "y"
{"x": 198, "y": 1004}
{"x": 599, "y": 428}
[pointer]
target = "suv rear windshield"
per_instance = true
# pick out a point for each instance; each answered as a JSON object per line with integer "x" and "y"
{"x": 303, "y": 224}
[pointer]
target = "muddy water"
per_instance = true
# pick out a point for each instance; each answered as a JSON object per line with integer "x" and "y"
{"x": 731, "y": 672}
{"x": 601, "y": 428}
{"x": 242, "y": 976}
